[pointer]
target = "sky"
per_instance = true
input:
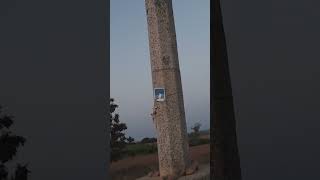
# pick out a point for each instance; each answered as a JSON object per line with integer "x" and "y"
{"x": 130, "y": 69}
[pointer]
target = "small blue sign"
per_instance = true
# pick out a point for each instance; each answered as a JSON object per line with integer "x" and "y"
{"x": 159, "y": 94}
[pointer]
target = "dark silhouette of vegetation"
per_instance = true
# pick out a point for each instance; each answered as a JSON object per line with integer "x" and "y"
{"x": 148, "y": 140}
{"x": 21, "y": 173}
{"x": 130, "y": 140}
{"x": 118, "y": 139}
{"x": 9, "y": 144}
{"x": 194, "y": 137}
{"x": 196, "y": 129}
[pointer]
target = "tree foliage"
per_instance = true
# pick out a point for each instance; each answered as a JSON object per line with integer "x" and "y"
{"x": 21, "y": 172}
{"x": 196, "y": 128}
{"x": 9, "y": 144}
{"x": 130, "y": 140}
{"x": 118, "y": 140}
{"x": 148, "y": 140}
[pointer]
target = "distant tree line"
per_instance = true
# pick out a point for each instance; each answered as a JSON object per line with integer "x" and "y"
{"x": 148, "y": 140}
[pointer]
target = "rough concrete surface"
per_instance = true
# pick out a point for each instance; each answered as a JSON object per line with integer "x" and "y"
{"x": 169, "y": 117}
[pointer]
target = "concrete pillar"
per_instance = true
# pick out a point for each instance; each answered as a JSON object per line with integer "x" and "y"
{"x": 169, "y": 115}
{"x": 224, "y": 149}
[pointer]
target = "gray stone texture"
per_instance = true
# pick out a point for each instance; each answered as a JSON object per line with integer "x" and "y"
{"x": 169, "y": 118}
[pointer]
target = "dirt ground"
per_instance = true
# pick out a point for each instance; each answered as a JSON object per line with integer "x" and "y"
{"x": 138, "y": 166}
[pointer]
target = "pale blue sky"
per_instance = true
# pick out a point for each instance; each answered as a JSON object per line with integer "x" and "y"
{"x": 130, "y": 69}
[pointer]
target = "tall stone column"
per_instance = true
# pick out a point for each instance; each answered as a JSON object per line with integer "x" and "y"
{"x": 224, "y": 149}
{"x": 169, "y": 115}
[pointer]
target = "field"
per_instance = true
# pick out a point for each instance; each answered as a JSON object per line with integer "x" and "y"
{"x": 138, "y": 166}
{"x": 139, "y": 149}
{"x": 145, "y": 159}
